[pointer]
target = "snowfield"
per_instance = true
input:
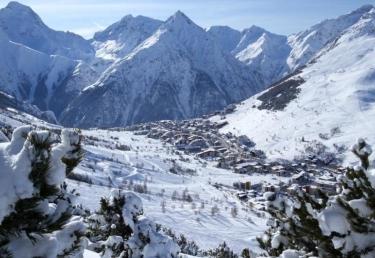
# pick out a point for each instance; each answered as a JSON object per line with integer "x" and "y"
{"x": 335, "y": 104}
{"x": 148, "y": 162}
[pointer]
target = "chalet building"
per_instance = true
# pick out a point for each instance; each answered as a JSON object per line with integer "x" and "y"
{"x": 167, "y": 135}
{"x": 242, "y": 185}
{"x": 326, "y": 185}
{"x": 249, "y": 168}
{"x": 221, "y": 149}
{"x": 302, "y": 178}
{"x": 269, "y": 188}
{"x": 199, "y": 142}
{"x": 280, "y": 170}
{"x": 208, "y": 154}
{"x": 243, "y": 196}
{"x": 181, "y": 143}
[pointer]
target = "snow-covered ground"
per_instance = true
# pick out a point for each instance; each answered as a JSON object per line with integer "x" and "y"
{"x": 148, "y": 162}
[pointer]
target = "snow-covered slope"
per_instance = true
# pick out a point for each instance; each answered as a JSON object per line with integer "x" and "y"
{"x": 264, "y": 52}
{"x": 275, "y": 55}
{"x": 120, "y": 38}
{"x": 309, "y": 42}
{"x": 38, "y": 64}
{"x": 148, "y": 162}
{"x": 140, "y": 69}
{"x": 178, "y": 72}
{"x": 48, "y": 81}
{"x": 332, "y": 100}
{"x": 259, "y": 49}
{"x": 7, "y": 101}
{"x": 22, "y": 25}
{"x": 225, "y": 36}
{"x": 256, "y": 47}
{"x": 248, "y": 37}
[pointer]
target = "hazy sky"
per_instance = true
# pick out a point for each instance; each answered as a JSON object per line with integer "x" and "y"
{"x": 280, "y": 16}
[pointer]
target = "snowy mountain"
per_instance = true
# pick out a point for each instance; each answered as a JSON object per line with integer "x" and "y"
{"x": 178, "y": 72}
{"x": 22, "y": 25}
{"x": 7, "y": 101}
{"x": 274, "y": 55}
{"x": 309, "y": 42}
{"x": 259, "y": 49}
{"x": 225, "y": 36}
{"x": 265, "y": 52}
{"x": 38, "y": 64}
{"x": 140, "y": 69}
{"x": 248, "y": 37}
{"x": 330, "y": 101}
{"x": 120, "y": 38}
{"x": 48, "y": 81}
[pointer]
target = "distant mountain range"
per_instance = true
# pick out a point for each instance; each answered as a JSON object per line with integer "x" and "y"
{"x": 178, "y": 72}
{"x": 141, "y": 69}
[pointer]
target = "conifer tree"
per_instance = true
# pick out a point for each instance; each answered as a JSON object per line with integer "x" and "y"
{"x": 74, "y": 156}
{"x": 341, "y": 225}
{"x": 119, "y": 229}
{"x": 222, "y": 251}
{"x": 37, "y": 211}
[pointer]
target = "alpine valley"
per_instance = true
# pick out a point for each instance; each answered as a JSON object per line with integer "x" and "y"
{"x": 192, "y": 142}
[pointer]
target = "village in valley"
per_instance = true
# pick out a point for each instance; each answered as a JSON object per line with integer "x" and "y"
{"x": 202, "y": 139}
{"x": 189, "y": 169}
{"x": 160, "y": 137}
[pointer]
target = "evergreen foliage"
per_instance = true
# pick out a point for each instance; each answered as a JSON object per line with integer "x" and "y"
{"x": 222, "y": 251}
{"x": 119, "y": 229}
{"x": 44, "y": 217}
{"x": 186, "y": 246}
{"x": 342, "y": 225}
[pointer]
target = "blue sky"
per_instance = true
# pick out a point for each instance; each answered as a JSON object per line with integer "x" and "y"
{"x": 280, "y": 16}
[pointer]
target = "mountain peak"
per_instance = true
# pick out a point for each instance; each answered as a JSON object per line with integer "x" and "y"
{"x": 22, "y": 25}
{"x": 127, "y": 28}
{"x": 248, "y": 37}
{"x": 180, "y": 14}
{"x": 20, "y": 10}
{"x": 255, "y": 28}
{"x": 16, "y": 11}
{"x": 182, "y": 25}
{"x": 252, "y": 33}
{"x": 126, "y": 18}
{"x": 179, "y": 17}
{"x": 364, "y": 9}
{"x": 16, "y": 5}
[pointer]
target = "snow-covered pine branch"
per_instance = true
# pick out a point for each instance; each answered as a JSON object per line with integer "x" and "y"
{"x": 36, "y": 210}
{"x": 119, "y": 229}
